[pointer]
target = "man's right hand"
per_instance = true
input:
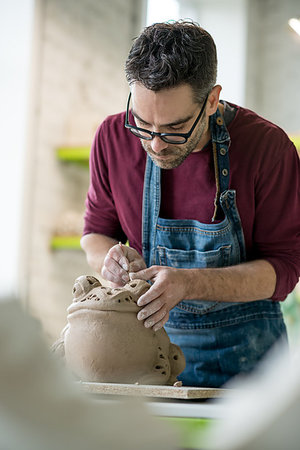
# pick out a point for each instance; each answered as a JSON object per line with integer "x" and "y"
{"x": 119, "y": 261}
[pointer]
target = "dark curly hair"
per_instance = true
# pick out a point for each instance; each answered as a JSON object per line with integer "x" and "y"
{"x": 168, "y": 54}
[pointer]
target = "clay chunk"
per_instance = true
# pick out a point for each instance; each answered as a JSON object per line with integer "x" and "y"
{"x": 105, "y": 342}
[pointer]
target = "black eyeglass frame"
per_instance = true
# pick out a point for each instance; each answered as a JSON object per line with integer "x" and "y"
{"x": 162, "y": 136}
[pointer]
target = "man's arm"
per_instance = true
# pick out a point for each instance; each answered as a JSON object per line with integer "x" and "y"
{"x": 96, "y": 247}
{"x": 254, "y": 280}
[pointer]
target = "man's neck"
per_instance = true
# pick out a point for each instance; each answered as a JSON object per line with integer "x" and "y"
{"x": 206, "y": 136}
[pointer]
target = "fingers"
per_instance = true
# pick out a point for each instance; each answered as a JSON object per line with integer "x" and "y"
{"x": 115, "y": 266}
{"x": 157, "y": 319}
{"x": 119, "y": 278}
{"x": 119, "y": 254}
{"x": 136, "y": 262}
{"x": 161, "y": 323}
{"x": 144, "y": 274}
{"x": 119, "y": 261}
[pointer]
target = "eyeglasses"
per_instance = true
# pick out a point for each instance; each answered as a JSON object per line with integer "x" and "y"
{"x": 169, "y": 138}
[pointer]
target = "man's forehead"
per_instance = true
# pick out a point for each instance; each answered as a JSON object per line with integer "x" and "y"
{"x": 165, "y": 106}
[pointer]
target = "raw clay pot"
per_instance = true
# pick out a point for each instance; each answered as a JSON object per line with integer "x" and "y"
{"x": 104, "y": 341}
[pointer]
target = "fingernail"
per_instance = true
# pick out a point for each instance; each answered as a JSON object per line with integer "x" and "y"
{"x": 125, "y": 266}
{"x": 148, "y": 324}
{"x": 156, "y": 328}
{"x": 140, "y": 316}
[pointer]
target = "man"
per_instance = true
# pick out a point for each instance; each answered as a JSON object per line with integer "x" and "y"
{"x": 207, "y": 194}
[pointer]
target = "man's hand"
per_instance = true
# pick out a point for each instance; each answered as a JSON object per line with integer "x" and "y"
{"x": 246, "y": 282}
{"x": 119, "y": 261}
{"x": 169, "y": 288}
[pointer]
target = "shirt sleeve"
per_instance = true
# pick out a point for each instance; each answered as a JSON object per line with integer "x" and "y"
{"x": 100, "y": 215}
{"x": 277, "y": 215}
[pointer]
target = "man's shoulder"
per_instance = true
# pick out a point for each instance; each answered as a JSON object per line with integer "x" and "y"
{"x": 115, "y": 144}
{"x": 251, "y": 131}
{"x": 112, "y": 129}
{"x": 114, "y": 121}
{"x": 248, "y": 119}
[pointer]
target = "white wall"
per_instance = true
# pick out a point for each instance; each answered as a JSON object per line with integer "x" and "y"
{"x": 16, "y": 21}
{"x": 273, "y": 63}
{"x": 77, "y": 80}
{"x": 226, "y": 21}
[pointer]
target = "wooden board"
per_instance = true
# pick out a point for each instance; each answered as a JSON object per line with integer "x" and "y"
{"x": 182, "y": 392}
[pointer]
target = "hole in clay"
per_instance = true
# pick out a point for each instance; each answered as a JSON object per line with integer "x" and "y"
{"x": 83, "y": 300}
{"x": 119, "y": 301}
{"x": 133, "y": 285}
{"x": 91, "y": 280}
{"x": 159, "y": 348}
{"x": 102, "y": 287}
{"x": 175, "y": 357}
{"x": 162, "y": 356}
{"x": 127, "y": 299}
{"x": 163, "y": 373}
{"x": 158, "y": 367}
{"x": 109, "y": 293}
{"x": 74, "y": 290}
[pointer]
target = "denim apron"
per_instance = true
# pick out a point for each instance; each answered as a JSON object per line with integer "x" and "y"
{"x": 219, "y": 339}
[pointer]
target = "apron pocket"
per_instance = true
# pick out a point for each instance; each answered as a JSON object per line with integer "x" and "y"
{"x": 191, "y": 259}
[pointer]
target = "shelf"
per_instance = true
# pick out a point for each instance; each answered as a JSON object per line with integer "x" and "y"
{"x": 296, "y": 140}
{"x": 78, "y": 155}
{"x": 65, "y": 243}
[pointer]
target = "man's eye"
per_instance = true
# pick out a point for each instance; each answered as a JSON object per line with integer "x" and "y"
{"x": 177, "y": 129}
{"x": 141, "y": 124}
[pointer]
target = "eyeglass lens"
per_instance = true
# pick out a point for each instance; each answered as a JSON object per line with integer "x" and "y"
{"x": 169, "y": 139}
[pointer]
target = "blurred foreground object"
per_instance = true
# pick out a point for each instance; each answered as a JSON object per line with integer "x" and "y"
{"x": 265, "y": 414}
{"x": 41, "y": 408}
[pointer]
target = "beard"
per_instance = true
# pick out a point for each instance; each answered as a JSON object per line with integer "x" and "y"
{"x": 176, "y": 154}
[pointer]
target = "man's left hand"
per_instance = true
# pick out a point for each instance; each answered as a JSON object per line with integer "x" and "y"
{"x": 169, "y": 288}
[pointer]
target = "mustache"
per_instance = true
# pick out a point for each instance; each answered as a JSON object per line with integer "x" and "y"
{"x": 162, "y": 153}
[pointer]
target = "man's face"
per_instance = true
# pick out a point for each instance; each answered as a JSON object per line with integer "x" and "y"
{"x": 168, "y": 111}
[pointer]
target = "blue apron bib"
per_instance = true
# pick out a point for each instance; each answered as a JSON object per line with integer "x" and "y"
{"x": 218, "y": 339}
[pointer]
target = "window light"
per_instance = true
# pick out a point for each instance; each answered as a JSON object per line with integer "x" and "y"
{"x": 295, "y": 25}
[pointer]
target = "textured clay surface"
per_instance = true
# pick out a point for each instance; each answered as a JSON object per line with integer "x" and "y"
{"x": 104, "y": 341}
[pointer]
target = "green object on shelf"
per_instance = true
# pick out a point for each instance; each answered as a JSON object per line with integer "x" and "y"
{"x": 191, "y": 430}
{"x": 296, "y": 140}
{"x": 79, "y": 155}
{"x": 65, "y": 243}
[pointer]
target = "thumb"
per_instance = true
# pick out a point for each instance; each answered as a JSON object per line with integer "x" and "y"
{"x": 144, "y": 274}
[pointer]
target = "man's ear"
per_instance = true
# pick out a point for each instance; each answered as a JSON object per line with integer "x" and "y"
{"x": 213, "y": 100}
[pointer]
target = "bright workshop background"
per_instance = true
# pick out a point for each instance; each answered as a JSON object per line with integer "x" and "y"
{"x": 62, "y": 73}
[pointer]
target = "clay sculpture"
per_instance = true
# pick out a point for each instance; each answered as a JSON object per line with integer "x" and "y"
{"x": 104, "y": 342}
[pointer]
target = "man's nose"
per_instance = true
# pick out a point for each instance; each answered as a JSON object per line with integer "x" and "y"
{"x": 158, "y": 145}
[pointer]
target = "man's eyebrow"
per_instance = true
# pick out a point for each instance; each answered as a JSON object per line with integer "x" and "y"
{"x": 165, "y": 125}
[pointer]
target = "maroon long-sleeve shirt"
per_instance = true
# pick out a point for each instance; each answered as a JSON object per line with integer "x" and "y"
{"x": 264, "y": 171}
